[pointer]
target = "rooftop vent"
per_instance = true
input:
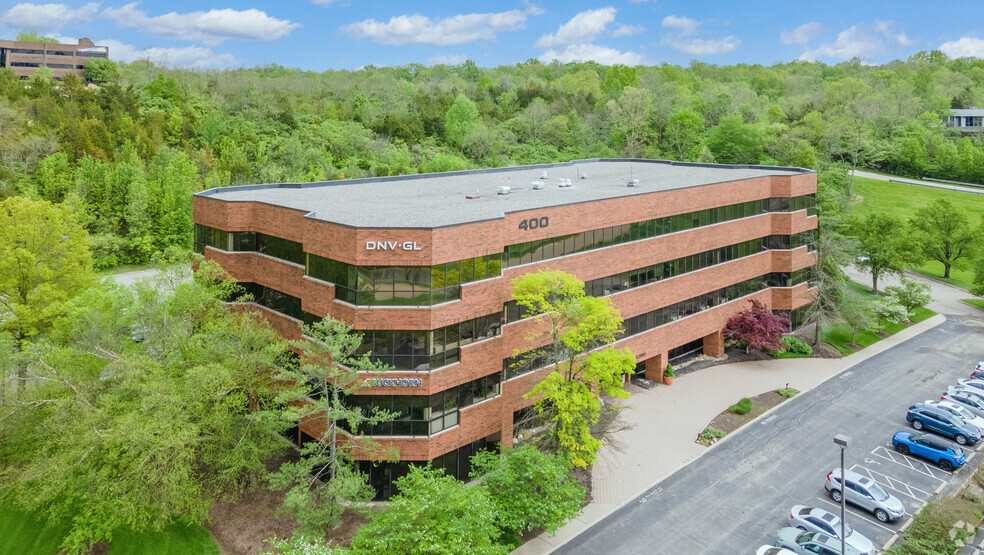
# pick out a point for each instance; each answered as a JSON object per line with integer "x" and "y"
{"x": 473, "y": 196}
{"x": 503, "y": 190}
{"x": 537, "y": 185}
{"x": 565, "y": 183}
{"x": 584, "y": 175}
{"x": 543, "y": 174}
{"x": 633, "y": 183}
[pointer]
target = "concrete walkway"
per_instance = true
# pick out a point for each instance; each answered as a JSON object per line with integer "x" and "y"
{"x": 667, "y": 419}
{"x": 919, "y": 182}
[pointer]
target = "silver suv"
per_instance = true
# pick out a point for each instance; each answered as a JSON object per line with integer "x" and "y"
{"x": 808, "y": 543}
{"x": 865, "y": 493}
{"x": 814, "y": 519}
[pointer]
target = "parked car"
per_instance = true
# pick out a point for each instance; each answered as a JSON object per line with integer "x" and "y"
{"x": 972, "y": 382}
{"x": 814, "y": 519}
{"x": 810, "y": 543}
{"x": 978, "y": 373}
{"x": 938, "y": 450}
{"x": 865, "y": 493}
{"x": 972, "y": 402}
{"x": 772, "y": 550}
{"x": 934, "y": 420}
{"x": 960, "y": 411}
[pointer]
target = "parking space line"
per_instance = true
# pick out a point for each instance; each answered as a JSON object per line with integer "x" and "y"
{"x": 854, "y": 511}
{"x": 902, "y": 460}
{"x": 896, "y": 485}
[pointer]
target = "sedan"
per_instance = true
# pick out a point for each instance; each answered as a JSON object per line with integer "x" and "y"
{"x": 960, "y": 411}
{"x": 940, "y": 451}
{"x": 973, "y": 382}
{"x": 971, "y": 403}
{"x": 943, "y": 423}
{"x": 773, "y": 550}
{"x": 813, "y": 519}
{"x": 810, "y": 543}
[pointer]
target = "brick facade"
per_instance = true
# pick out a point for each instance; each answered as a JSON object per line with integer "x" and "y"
{"x": 458, "y": 242}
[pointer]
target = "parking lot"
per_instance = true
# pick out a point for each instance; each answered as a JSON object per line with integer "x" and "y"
{"x": 739, "y": 495}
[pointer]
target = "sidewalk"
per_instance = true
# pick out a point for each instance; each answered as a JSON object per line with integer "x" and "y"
{"x": 676, "y": 414}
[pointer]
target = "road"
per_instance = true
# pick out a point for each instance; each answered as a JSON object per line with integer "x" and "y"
{"x": 739, "y": 494}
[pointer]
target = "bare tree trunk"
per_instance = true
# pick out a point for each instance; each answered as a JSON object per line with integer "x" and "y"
{"x": 946, "y": 270}
{"x": 874, "y": 282}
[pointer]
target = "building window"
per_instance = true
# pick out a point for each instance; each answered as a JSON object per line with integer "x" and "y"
{"x": 277, "y": 301}
{"x": 248, "y": 241}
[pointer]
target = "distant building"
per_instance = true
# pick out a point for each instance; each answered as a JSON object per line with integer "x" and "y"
{"x": 967, "y": 119}
{"x": 25, "y": 57}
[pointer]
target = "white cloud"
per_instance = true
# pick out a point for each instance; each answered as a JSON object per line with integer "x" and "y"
{"x": 342, "y": 3}
{"x": 581, "y": 29}
{"x": 629, "y": 30}
{"x": 45, "y": 17}
{"x": 451, "y": 31}
{"x": 802, "y": 34}
{"x": 861, "y": 41}
{"x": 964, "y": 47}
{"x": 533, "y": 9}
{"x": 601, "y": 54}
{"x": 683, "y": 25}
{"x": 447, "y": 59}
{"x": 682, "y": 38}
{"x": 186, "y": 56}
{"x": 211, "y": 27}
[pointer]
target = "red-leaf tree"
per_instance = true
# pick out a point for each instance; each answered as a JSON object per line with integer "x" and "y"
{"x": 758, "y": 327}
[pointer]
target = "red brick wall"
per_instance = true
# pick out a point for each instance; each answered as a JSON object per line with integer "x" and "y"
{"x": 452, "y": 243}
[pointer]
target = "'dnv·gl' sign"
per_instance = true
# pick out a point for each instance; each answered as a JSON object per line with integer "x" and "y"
{"x": 392, "y": 245}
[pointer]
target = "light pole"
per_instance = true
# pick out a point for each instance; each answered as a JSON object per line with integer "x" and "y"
{"x": 842, "y": 441}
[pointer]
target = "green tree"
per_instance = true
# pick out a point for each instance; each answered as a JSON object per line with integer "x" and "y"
{"x": 330, "y": 368}
{"x": 684, "y": 133}
{"x": 735, "y": 142}
{"x": 44, "y": 262}
{"x": 911, "y": 294}
{"x": 944, "y": 234}
{"x": 461, "y": 120}
{"x": 857, "y": 312}
{"x": 617, "y": 78}
{"x": 143, "y": 405}
{"x": 882, "y": 246}
{"x": 529, "y": 488}
{"x": 33, "y": 36}
{"x": 101, "y": 70}
{"x": 569, "y": 396}
{"x": 433, "y": 514}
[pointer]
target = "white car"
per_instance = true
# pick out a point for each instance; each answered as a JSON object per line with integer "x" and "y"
{"x": 968, "y": 391}
{"x": 975, "y": 383}
{"x": 773, "y": 550}
{"x": 961, "y": 411}
{"x": 812, "y": 519}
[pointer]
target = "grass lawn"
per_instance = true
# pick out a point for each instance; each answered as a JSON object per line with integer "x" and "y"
{"x": 22, "y": 534}
{"x": 979, "y": 303}
{"x": 960, "y": 278}
{"x": 839, "y": 335}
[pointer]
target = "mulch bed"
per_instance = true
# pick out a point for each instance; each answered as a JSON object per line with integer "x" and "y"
{"x": 241, "y": 527}
{"x": 730, "y": 422}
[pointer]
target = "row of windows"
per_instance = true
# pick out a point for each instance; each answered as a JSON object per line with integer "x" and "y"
{"x": 92, "y": 54}
{"x": 423, "y": 349}
{"x": 530, "y": 361}
{"x": 457, "y": 463}
{"x": 421, "y": 415}
{"x": 401, "y": 285}
{"x": 545, "y": 249}
{"x": 25, "y": 51}
{"x": 277, "y": 301}
{"x": 248, "y": 241}
{"x": 787, "y": 204}
{"x": 608, "y": 285}
{"x": 789, "y": 279}
{"x": 796, "y": 240}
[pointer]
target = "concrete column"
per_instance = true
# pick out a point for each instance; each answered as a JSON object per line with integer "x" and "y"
{"x": 714, "y": 344}
{"x": 655, "y": 366}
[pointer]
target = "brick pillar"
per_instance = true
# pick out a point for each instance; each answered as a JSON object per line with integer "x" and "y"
{"x": 506, "y": 423}
{"x": 714, "y": 344}
{"x": 655, "y": 366}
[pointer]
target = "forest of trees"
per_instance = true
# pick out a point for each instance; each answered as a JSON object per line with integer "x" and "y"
{"x": 128, "y": 154}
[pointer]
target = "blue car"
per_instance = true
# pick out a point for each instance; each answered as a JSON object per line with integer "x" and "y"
{"x": 924, "y": 417}
{"x": 942, "y": 452}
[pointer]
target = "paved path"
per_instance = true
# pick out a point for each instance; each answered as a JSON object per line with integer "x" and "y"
{"x": 676, "y": 414}
{"x": 130, "y": 278}
{"x": 921, "y": 183}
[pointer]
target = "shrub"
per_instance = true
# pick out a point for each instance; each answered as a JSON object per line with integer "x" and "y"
{"x": 668, "y": 373}
{"x": 743, "y": 406}
{"x": 796, "y": 345}
{"x": 710, "y": 435}
{"x": 787, "y": 392}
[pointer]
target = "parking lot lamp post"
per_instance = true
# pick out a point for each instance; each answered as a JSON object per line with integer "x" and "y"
{"x": 842, "y": 441}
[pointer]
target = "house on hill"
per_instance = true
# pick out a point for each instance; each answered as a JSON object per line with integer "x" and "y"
{"x": 966, "y": 119}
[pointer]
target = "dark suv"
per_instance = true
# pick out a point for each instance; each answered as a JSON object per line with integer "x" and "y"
{"x": 943, "y": 423}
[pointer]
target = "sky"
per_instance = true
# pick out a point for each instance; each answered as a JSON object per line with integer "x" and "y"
{"x": 320, "y": 35}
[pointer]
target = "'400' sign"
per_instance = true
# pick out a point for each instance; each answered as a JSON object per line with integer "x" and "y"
{"x": 393, "y": 382}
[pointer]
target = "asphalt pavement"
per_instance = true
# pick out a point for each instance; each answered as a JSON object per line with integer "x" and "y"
{"x": 738, "y": 495}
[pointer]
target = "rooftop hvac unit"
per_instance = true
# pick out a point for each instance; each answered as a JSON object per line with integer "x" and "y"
{"x": 543, "y": 174}
{"x": 537, "y": 185}
{"x": 633, "y": 183}
{"x": 565, "y": 183}
{"x": 503, "y": 190}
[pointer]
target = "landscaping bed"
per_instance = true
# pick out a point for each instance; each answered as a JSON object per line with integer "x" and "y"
{"x": 728, "y": 421}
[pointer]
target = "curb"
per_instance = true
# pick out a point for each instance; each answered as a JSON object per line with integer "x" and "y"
{"x": 865, "y": 354}
{"x": 970, "y": 305}
{"x": 917, "y": 275}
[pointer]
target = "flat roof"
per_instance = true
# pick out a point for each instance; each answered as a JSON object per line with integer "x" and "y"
{"x": 439, "y": 199}
{"x": 967, "y": 112}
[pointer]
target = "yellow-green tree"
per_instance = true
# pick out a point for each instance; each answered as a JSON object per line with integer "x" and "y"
{"x": 44, "y": 262}
{"x": 579, "y": 325}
